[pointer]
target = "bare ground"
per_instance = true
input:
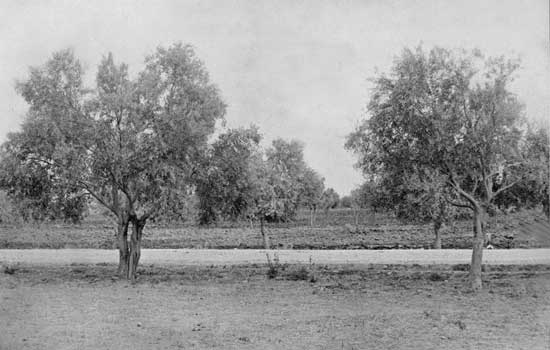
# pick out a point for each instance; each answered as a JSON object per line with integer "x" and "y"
{"x": 336, "y": 231}
{"x": 238, "y": 307}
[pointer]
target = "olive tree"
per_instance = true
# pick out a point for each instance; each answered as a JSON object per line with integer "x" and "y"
{"x": 225, "y": 181}
{"x": 448, "y": 113}
{"x": 130, "y": 143}
{"x": 286, "y": 161}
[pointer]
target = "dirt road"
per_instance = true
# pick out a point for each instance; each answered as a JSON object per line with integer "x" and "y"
{"x": 249, "y": 256}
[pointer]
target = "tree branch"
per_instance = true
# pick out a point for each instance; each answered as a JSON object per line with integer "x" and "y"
{"x": 484, "y": 178}
{"x": 503, "y": 188}
{"x": 460, "y": 205}
{"x": 97, "y": 197}
{"x": 461, "y": 192}
{"x": 476, "y": 183}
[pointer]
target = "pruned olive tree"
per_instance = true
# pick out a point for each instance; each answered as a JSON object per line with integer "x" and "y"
{"x": 132, "y": 144}
{"x": 448, "y": 113}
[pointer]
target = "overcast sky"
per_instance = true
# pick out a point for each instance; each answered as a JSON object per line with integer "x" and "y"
{"x": 297, "y": 69}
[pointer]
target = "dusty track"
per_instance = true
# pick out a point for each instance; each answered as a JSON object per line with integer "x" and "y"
{"x": 249, "y": 256}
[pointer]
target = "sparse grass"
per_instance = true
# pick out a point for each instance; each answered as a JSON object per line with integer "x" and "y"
{"x": 437, "y": 277}
{"x": 272, "y": 272}
{"x": 460, "y": 267}
{"x": 301, "y": 274}
{"x": 10, "y": 270}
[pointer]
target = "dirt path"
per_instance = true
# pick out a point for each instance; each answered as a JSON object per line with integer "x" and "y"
{"x": 249, "y": 256}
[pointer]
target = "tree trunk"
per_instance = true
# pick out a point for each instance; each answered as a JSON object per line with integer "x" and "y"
{"x": 484, "y": 224}
{"x": 135, "y": 248}
{"x": 477, "y": 251}
{"x": 437, "y": 241}
{"x": 325, "y": 216}
{"x": 122, "y": 237}
{"x": 266, "y": 241}
{"x": 264, "y": 235}
{"x": 314, "y": 215}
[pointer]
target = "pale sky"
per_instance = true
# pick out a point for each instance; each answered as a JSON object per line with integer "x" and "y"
{"x": 297, "y": 69}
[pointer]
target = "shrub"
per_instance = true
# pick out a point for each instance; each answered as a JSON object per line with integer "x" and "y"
{"x": 302, "y": 274}
{"x": 436, "y": 277}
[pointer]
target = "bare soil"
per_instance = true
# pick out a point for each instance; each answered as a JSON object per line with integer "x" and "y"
{"x": 303, "y": 307}
{"x": 336, "y": 231}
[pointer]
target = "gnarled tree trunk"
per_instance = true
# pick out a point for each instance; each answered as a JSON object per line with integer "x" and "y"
{"x": 477, "y": 251}
{"x": 122, "y": 238}
{"x": 437, "y": 232}
{"x": 135, "y": 247}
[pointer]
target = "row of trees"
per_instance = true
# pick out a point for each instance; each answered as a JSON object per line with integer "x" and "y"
{"x": 140, "y": 147}
{"x": 241, "y": 181}
{"x": 444, "y": 135}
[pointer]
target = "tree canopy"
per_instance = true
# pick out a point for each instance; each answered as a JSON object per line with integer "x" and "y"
{"x": 226, "y": 181}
